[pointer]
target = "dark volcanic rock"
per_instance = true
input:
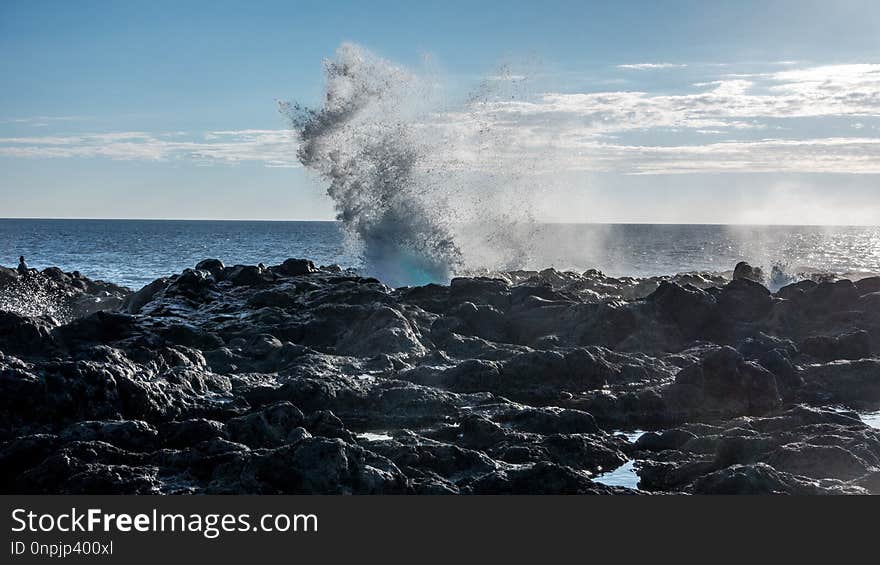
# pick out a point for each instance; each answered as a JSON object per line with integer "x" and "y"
{"x": 761, "y": 478}
{"x": 272, "y": 426}
{"x": 213, "y": 266}
{"x": 744, "y": 300}
{"x": 744, "y": 271}
{"x": 687, "y": 307}
{"x": 310, "y": 466}
{"x": 795, "y": 451}
{"x": 723, "y": 384}
{"x": 856, "y": 383}
{"x": 854, "y": 345}
{"x": 20, "y": 335}
{"x": 542, "y": 478}
{"x": 294, "y": 267}
{"x": 296, "y": 379}
{"x": 53, "y": 292}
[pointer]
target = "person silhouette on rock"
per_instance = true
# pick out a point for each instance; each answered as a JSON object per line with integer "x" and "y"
{"x": 22, "y": 267}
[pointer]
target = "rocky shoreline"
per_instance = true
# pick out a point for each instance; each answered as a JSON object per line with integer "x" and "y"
{"x": 297, "y": 379}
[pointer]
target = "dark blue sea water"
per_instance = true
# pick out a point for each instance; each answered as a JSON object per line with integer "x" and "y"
{"x": 134, "y": 252}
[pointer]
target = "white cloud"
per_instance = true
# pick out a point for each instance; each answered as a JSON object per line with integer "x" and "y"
{"x": 840, "y": 90}
{"x": 650, "y": 66}
{"x": 274, "y": 148}
{"x": 572, "y": 131}
{"x": 42, "y": 121}
{"x": 819, "y": 155}
{"x": 571, "y": 151}
{"x": 583, "y": 131}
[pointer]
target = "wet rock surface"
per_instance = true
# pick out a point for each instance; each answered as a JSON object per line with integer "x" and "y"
{"x": 302, "y": 379}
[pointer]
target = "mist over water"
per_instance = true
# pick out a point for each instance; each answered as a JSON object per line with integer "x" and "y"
{"x": 414, "y": 182}
{"x": 135, "y": 252}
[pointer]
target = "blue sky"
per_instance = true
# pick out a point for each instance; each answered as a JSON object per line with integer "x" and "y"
{"x": 647, "y": 111}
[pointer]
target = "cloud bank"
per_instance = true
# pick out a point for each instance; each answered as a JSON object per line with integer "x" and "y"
{"x": 650, "y": 66}
{"x": 805, "y": 119}
{"x": 272, "y": 148}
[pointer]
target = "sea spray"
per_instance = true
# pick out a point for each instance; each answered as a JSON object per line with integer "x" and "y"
{"x": 362, "y": 141}
{"x": 426, "y": 189}
{"x": 32, "y": 296}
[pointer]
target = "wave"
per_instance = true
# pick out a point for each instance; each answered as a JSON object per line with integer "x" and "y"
{"x": 408, "y": 181}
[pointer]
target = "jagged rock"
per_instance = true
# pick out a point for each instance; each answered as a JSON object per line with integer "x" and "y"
{"x": 669, "y": 439}
{"x": 297, "y": 267}
{"x": 744, "y": 300}
{"x": 868, "y": 285}
{"x": 135, "y": 301}
{"x": 818, "y": 461}
{"x": 723, "y": 383}
{"x": 687, "y": 306}
{"x": 247, "y": 275}
{"x": 850, "y": 382}
{"x": 541, "y": 478}
{"x": 434, "y": 466}
{"x": 311, "y": 466}
{"x": 744, "y": 271}
{"x": 800, "y": 450}
{"x": 758, "y": 346}
{"x": 213, "y": 266}
{"x": 854, "y": 345}
{"x": 269, "y": 427}
{"x": 296, "y": 379}
{"x": 132, "y": 435}
{"x": 551, "y": 420}
{"x": 830, "y": 297}
{"x": 760, "y": 478}
{"x": 20, "y": 335}
{"x": 191, "y": 432}
{"x": 797, "y": 290}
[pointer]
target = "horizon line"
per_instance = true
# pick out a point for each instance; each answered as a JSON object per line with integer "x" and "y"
{"x": 333, "y": 221}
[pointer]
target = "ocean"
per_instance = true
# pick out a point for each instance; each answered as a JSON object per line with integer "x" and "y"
{"x": 132, "y": 253}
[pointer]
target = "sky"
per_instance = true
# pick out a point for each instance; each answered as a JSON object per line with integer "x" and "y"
{"x": 675, "y": 111}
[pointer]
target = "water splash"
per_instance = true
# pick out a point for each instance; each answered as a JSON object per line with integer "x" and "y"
{"x": 31, "y": 297}
{"x": 781, "y": 275}
{"x": 363, "y": 142}
{"x": 418, "y": 185}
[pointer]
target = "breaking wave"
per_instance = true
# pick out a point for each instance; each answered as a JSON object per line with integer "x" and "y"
{"x": 412, "y": 181}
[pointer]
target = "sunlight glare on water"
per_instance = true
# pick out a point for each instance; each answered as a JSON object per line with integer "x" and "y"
{"x": 136, "y": 252}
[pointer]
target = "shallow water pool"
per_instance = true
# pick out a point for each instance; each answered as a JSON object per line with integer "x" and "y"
{"x": 623, "y": 476}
